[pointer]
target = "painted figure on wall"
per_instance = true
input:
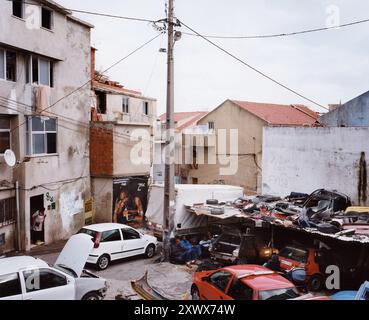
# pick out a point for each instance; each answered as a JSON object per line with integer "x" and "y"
{"x": 130, "y": 200}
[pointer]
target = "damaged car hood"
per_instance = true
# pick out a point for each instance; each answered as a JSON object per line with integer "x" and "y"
{"x": 75, "y": 253}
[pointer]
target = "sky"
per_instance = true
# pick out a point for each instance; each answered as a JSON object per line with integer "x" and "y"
{"x": 328, "y": 67}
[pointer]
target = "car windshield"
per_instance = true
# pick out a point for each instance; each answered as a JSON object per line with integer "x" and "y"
{"x": 91, "y": 233}
{"x": 279, "y": 294}
{"x": 296, "y": 254}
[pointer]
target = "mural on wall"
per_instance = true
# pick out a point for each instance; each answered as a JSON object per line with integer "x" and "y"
{"x": 130, "y": 200}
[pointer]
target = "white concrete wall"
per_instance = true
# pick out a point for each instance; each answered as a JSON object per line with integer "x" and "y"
{"x": 114, "y": 110}
{"x": 306, "y": 159}
{"x": 69, "y": 43}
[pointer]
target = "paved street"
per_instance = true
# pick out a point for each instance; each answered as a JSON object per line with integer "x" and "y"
{"x": 172, "y": 281}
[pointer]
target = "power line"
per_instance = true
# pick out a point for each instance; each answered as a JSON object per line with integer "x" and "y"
{"x": 253, "y": 68}
{"x": 278, "y": 35}
{"x": 94, "y": 13}
{"x": 95, "y": 77}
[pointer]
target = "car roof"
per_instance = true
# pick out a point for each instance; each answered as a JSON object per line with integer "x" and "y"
{"x": 106, "y": 227}
{"x": 14, "y": 264}
{"x": 259, "y": 278}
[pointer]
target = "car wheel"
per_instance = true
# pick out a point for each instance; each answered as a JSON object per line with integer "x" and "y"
{"x": 316, "y": 283}
{"x": 195, "y": 294}
{"x": 103, "y": 262}
{"x": 150, "y": 251}
{"x": 91, "y": 296}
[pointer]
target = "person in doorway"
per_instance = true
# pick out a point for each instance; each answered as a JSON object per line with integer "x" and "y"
{"x": 38, "y": 221}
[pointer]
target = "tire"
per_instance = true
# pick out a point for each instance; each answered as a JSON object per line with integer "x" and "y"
{"x": 316, "y": 283}
{"x": 195, "y": 294}
{"x": 103, "y": 262}
{"x": 150, "y": 251}
{"x": 92, "y": 296}
{"x": 212, "y": 201}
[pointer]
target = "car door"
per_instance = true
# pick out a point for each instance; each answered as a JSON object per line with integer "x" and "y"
{"x": 47, "y": 284}
{"x": 111, "y": 243}
{"x": 133, "y": 244}
{"x": 216, "y": 285}
{"x": 10, "y": 287}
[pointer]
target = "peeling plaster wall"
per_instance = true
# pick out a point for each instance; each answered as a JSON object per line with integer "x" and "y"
{"x": 102, "y": 189}
{"x": 68, "y": 44}
{"x": 306, "y": 159}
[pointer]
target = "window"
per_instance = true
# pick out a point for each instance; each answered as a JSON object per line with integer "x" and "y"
{"x": 112, "y": 235}
{"x": 10, "y": 285}
{"x": 42, "y": 279}
{"x": 18, "y": 8}
{"x": 41, "y": 135}
{"x": 145, "y": 108}
{"x": 278, "y": 294}
{"x": 211, "y": 125}
{"x": 101, "y": 102}
{"x": 220, "y": 280}
{"x": 8, "y": 65}
{"x": 46, "y": 18}
{"x": 42, "y": 71}
{"x": 8, "y": 211}
{"x": 130, "y": 234}
{"x": 240, "y": 291}
{"x": 4, "y": 134}
{"x": 125, "y": 105}
{"x": 297, "y": 254}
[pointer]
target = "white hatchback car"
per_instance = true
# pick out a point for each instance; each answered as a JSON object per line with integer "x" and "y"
{"x": 114, "y": 241}
{"x": 28, "y": 278}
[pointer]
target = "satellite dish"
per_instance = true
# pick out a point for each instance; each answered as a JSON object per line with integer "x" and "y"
{"x": 10, "y": 158}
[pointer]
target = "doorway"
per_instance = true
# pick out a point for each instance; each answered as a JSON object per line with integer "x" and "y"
{"x": 36, "y": 203}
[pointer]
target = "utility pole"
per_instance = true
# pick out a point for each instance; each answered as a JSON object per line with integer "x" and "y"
{"x": 169, "y": 187}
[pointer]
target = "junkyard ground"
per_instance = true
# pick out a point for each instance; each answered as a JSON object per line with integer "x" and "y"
{"x": 172, "y": 281}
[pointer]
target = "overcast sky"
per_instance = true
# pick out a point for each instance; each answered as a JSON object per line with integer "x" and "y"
{"x": 328, "y": 67}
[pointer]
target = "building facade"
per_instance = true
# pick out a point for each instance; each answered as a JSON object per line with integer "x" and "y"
{"x": 242, "y": 159}
{"x": 44, "y": 115}
{"x": 354, "y": 113}
{"x": 121, "y": 148}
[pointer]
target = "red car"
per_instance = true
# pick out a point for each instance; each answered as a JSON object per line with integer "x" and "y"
{"x": 242, "y": 282}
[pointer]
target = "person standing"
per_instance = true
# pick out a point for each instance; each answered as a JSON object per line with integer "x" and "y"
{"x": 38, "y": 221}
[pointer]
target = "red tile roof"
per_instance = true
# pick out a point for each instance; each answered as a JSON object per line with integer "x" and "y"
{"x": 279, "y": 114}
{"x": 179, "y": 116}
{"x": 113, "y": 87}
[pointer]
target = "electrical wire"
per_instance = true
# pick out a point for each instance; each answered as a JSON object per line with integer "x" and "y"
{"x": 253, "y": 68}
{"x": 94, "y": 78}
{"x": 278, "y": 35}
{"x": 92, "y": 13}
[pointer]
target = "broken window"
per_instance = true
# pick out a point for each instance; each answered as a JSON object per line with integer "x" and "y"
{"x": 125, "y": 105}
{"x": 42, "y": 71}
{"x": 4, "y": 134}
{"x": 8, "y": 65}
{"x": 18, "y": 8}
{"x": 41, "y": 135}
{"x": 46, "y": 18}
{"x": 146, "y": 108}
{"x": 101, "y": 102}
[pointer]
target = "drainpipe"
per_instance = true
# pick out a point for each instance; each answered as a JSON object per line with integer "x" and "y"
{"x": 18, "y": 216}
